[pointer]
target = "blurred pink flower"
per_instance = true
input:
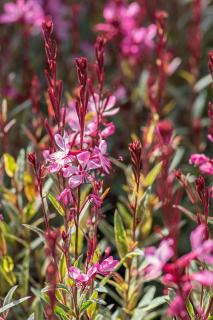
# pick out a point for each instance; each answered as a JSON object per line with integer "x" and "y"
{"x": 204, "y": 163}
{"x": 157, "y": 258}
{"x": 124, "y": 20}
{"x": 29, "y": 12}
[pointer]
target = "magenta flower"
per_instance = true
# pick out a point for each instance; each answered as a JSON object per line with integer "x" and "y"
{"x": 201, "y": 248}
{"x": 104, "y": 107}
{"x": 124, "y": 20}
{"x": 107, "y": 266}
{"x": 204, "y": 277}
{"x": 66, "y": 197}
{"x": 157, "y": 258}
{"x": 57, "y": 160}
{"x": 177, "y": 308}
{"x": 29, "y": 12}
{"x": 99, "y": 159}
{"x": 204, "y": 163}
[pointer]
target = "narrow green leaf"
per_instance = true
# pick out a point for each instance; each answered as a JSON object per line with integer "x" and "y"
{"x": 31, "y": 317}
{"x": 9, "y": 164}
{"x": 152, "y": 175}
{"x": 120, "y": 235}
{"x": 35, "y": 229}
{"x": 13, "y": 304}
{"x": 156, "y": 303}
{"x": 8, "y": 299}
{"x": 56, "y": 204}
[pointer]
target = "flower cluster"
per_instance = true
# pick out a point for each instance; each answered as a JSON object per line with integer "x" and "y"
{"x": 175, "y": 274}
{"x": 25, "y": 11}
{"x": 123, "y": 21}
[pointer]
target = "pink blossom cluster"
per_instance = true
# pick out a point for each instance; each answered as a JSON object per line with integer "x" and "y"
{"x": 26, "y": 11}
{"x": 123, "y": 21}
{"x": 104, "y": 268}
{"x": 175, "y": 274}
{"x": 77, "y": 165}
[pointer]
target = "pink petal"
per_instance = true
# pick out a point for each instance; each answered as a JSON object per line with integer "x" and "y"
{"x": 83, "y": 158}
{"x": 204, "y": 277}
{"x": 75, "y": 181}
{"x": 59, "y": 141}
{"x": 197, "y": 236}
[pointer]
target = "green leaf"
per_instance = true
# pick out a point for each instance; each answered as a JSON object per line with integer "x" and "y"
{"x": 156, "y": 303}
{"x": 31, "y": 317}
{"x": 85, "y": 305}
{"x": 62, "y": 266}
{"x": 8, "y": 298}
{"x": 9, "y": 164}
{"x": 56, "y": 204}
{"x": 152, "y": 175}
{"x": 125, "y": 213}
{"x": 120, "y": 235}
{"x": 190, "y": 309}
{"x": 36, "y": 230}
{"x": 20, "y": 167}
{"x": 13, "y": 304}
{"x": 148, "y": 296}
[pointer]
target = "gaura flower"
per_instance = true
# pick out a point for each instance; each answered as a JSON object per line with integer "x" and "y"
{"x": 204, "y": 163}
{"x": 29, "y": 12}
{"x": 105, "y": 268}
{"x": 157, "y": 258}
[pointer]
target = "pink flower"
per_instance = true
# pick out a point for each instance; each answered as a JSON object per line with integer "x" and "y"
{"x": 107, "y": 266}
{"x": 157, "y": 258}
{"x": 108, "y": 131}
{"x": 204, "y": 277}
{"x": 104, "y": 107}
{"x": 123, "y": 20}
{"x": 57, "y": 160}
{"x": 204, "y": 163}
{"x": 202, "y": 249}
{"x": 77, "y": 174}
{"x": 76, "y": 275}
{"x": 66, "y": 197}
{"x": 99, "y": 159}
{"x": 198, "y": 159}
{"x": 29, "y": 12}
{"x": 177, "y": 308}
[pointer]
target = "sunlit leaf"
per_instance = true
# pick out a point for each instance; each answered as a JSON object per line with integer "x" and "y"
{"x": 56, "y": 204}
{"x": 13, "y": 304}
{"x": 120, "y": 235}
{"x": 9, "y": 164}
{"x": 152, "y": 175}
{"x": 7, "y": 264}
